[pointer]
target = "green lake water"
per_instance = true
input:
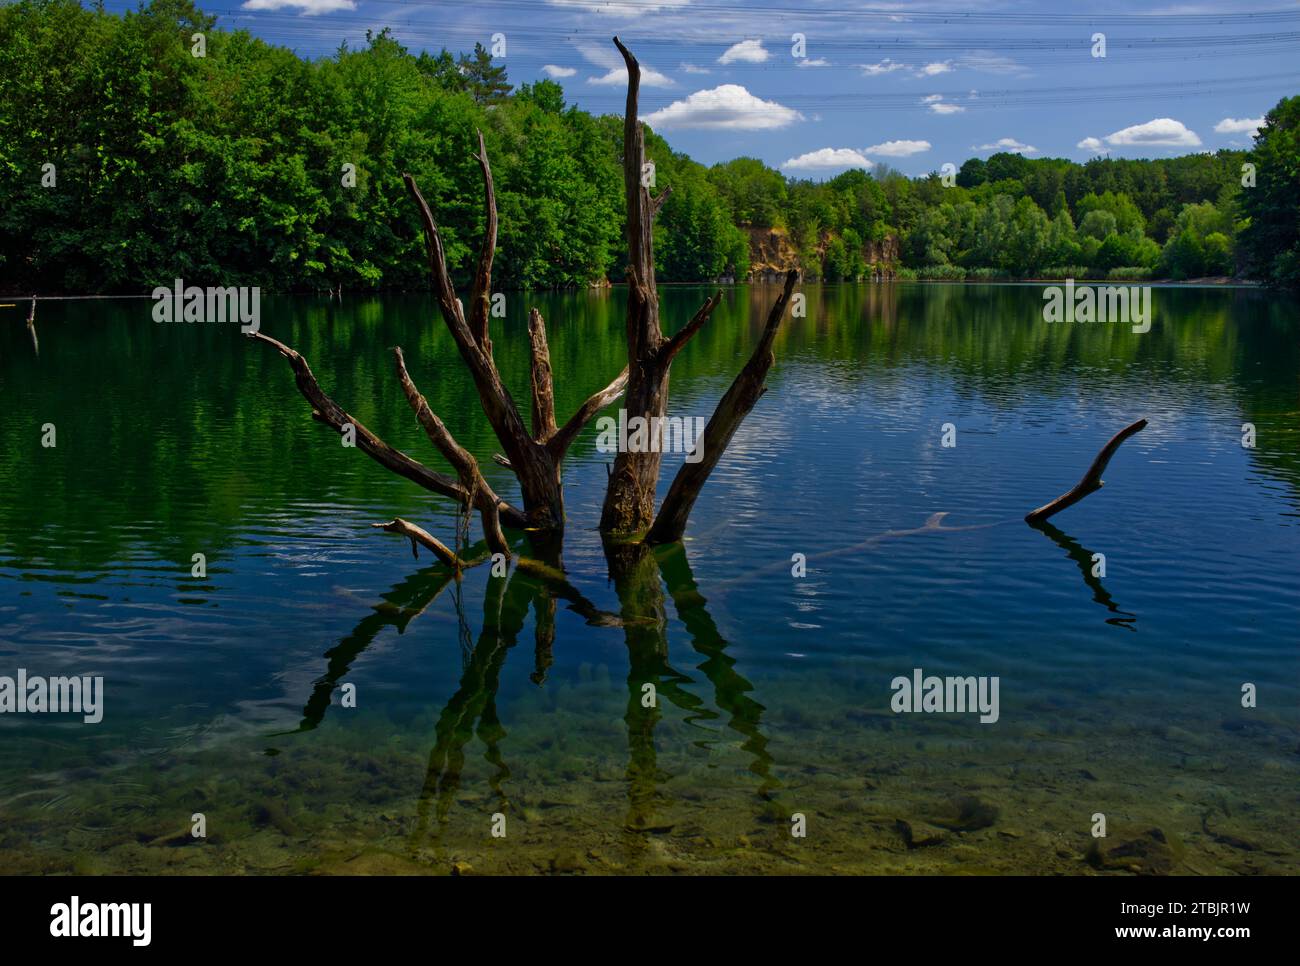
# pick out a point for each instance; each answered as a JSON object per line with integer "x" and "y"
{"x": 1119, "y": 695}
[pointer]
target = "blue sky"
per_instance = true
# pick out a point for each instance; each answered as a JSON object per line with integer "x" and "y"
{"x": 912, "y": 85}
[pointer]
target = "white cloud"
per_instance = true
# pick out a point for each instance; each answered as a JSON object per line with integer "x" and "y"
{"x": 990, "y": 63}
{"x": 693, "y": 69}
{"x": 1092, "y": 144}
{"x": 309, "y": 8}
{"x": 938, "y": 106}
{"x": 819, "y": 62}
{"x": 1246, "y": 125}
{"x": 886, "y": 66}
{"x": 551, "y": 70}
{"x": 897, "y": 149}
{"x": 1008, "y": 144}
{"x": 729, "y": 106}
{"x": 617, "y": 76}
{"x": 1161, "y": 132}
{"x": 825, "y": 158}
{"x": 932, "y": 70}
{"x": 747, "y": 51}
{"x": 621, "y": 8}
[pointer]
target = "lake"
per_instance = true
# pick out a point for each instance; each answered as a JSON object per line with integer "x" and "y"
{"x": 326, "y": 703}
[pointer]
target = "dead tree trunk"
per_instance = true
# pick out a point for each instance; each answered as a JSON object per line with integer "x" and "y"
{"x": 630, "y": 496}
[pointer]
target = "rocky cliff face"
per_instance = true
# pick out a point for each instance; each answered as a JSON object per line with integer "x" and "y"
{"x": 772, "y": 254}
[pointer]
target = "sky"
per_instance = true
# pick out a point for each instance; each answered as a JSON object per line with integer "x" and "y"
{"x": 815, "y": 87}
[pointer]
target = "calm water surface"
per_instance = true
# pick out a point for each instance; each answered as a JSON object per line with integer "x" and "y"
{"x": 1120, "y": 694}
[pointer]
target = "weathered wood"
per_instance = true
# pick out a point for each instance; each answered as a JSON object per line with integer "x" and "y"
{"x": 735, "y": 405}
{"x": 31, "y": 327}
{"x": 678, "y": 342}
{"x": 1091, "y": 482}
{"x": 480, "y": 493}
{"x": 327, "y": 411}
{"x": 480, "y": 301}
{"x": 537, "y": 470}
{"x": 563, "y": 438}
{"x": 421, "y": 537}
{"x": 629, "y": 497}
{"x": 542, "y": 380}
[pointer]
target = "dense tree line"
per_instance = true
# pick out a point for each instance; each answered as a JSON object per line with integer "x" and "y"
{"x": 128, "y": 161}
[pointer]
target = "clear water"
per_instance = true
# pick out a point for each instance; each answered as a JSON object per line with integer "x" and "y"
{"x": 1120, "y": 695}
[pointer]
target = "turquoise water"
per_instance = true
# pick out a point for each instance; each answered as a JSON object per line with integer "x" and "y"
{"x": 1120, "y": 695}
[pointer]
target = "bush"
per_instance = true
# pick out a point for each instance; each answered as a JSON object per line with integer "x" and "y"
{"x": 1065, "y": 271}
{"x": 942, "y": 273}
{"x": 1129, "y": 273}
{"x": 987, "y": 274}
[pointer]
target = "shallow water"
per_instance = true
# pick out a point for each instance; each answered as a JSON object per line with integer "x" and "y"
{"x": 1119, "y": 695}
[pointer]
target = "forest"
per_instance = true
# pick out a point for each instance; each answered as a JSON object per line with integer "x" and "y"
{"x": 129, "y": 161}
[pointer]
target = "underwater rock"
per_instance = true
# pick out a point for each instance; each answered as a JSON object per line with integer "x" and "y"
{"x": 1148, "y": 853}
{"x": 920, "y": 835}
{"x": 569, "y": 862}
{"x": 965, "y": 813}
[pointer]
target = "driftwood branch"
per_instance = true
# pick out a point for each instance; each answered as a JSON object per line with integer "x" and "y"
{"x": 658, "y": 201}
{"x": 423, "y": 538}
{"x": 1091, "y": 482}
{"x": 735, "y": 405}
{"x": 480, "y": 300}
{"x": 537, "y": 471}
{"x": 563, "y": 438}
{"x": 480, "y": 493}
{"x": 327, "y": 411}
{"x": 31, "y": 327}
{"x": 543, "y": 384}
{"x": 678, "y": 342}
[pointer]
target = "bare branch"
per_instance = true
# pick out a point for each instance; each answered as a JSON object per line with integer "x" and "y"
{"x": 1092, "y": 481}
{"x": 480, "y": 300}
{"x": 442, "y": 285}
{"x": 542, "y": 381}
{"x": 420, "y": 536}
{"x": 735, "y": 405}
{"x": 460, "y": 458}
{"x": 675, "y": 345}
{"x": 327, "y": 411}
{"x": 563, "y": 438}
{"x": 658, "y": 202}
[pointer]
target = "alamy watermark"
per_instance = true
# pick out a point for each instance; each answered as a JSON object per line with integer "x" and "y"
{"x": 58, "y": 695}
{"x": 182, "y": 303}
{"x": 652, "y": 434}
{"x": 1125, "y": 304}
{"x": 951, "y": 695}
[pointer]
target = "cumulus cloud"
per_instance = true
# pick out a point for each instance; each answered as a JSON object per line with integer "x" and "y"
{"x": 939, "y": 106}
{"x": 617, "y": 76}
{"x": 886, "y": 66}
{"x": 828, "y": 158}
{"x": 729, "y": 106}
{"x": 309, "y": 8}
{"x": 932, "y": 70}
{"x": 1092, "y": 144}
{"x": 1161, "y": 132}
{"x": 897, "y": 149}
{"x": 747, "y": 51}
{"x": 695, "y": 69}
{"x": 808, "y": 62}
{"x": 621, "y": 8}
{"x": 615, "y": 73}
{"x": 554, "y": 71}
{"x": 1008, "y": 144}
{"x": 1246, "y": 125}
